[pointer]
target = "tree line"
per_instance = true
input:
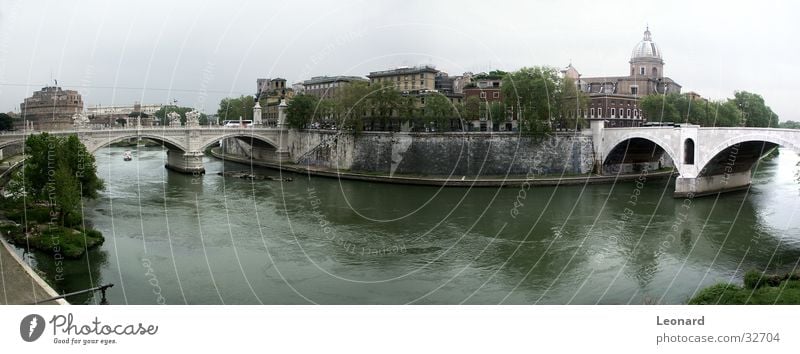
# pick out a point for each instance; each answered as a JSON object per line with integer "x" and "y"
{"x": 745, "y": 109}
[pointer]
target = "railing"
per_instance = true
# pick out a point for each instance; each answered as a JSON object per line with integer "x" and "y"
{"x": 101, "y": 288}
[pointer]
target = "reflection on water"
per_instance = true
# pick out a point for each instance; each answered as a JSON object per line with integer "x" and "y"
{"x": 180, "y": 239}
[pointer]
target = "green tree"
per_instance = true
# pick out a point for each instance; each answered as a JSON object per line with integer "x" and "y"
{"x": 660, "y": 108}
{"x": 407, "y": 110}
{"x": 790, "y": 124}
{"x": 472, "y": 108}
{"x": 680, "y": 108}
{"x": 301, "y": 110}
{"x": 59, "y": 171}
{"x": 439, "y": 110}
{"x": 756, "y": 112}
{"x": 231, "y": 108}
{"x": 497, "y": 113}
{"x": 384, "y": 100}
{"x": 533, "y": 92}
{"x": 6, "y": 122}
{"x": 572, "y": 100}
{"x": 353, "y": 104}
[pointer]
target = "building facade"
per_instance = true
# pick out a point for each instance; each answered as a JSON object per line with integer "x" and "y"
{"x": 108, "y": 115}
{"x": 407, "y": 79}
{"x": 328, "y": 86}
{"x": 272, "y": 87}
{"x": 50, "y": 108}
{"x": 615, "y": 99}
{"x": 488, "y": 90}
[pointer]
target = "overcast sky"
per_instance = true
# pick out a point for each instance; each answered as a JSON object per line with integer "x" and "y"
{"x": 118, "y": 52}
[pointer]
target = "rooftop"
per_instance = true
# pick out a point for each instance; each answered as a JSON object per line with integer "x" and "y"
{"x": 330, "y": 79}
{"x": 404, "y": 70}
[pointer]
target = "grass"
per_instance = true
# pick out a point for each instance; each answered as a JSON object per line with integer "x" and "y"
{"x": 758, "y": 289}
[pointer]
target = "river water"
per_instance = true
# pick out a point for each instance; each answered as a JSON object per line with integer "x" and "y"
{"x": 180, "y": 239}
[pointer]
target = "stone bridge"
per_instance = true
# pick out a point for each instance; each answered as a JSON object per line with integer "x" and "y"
{"x": 185, "y": 145}
{"x": 708, "y": 160}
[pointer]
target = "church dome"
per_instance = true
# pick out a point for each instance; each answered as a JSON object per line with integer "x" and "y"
{"x": 646, "y": 48}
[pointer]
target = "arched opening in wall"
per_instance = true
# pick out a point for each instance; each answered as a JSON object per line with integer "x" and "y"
{"x": 736, "y": 158}
{"x": 655, "y": 72}
{"x": 244, "y": 147}
{"x": 133, "y": 142}
{"x": 688, "y": 152}
{"x": 635, "y": 155}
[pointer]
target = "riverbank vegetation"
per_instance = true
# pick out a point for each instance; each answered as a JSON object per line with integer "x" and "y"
{"x": 758, "y": 289}
{"x": 42, "y": 201}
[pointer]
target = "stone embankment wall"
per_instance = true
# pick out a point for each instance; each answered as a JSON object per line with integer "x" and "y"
{"x": 458, "y": 154}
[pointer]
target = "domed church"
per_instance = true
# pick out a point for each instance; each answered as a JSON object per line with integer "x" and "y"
{"x": 616, "y": 98}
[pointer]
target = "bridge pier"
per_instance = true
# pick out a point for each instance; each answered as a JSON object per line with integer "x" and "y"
{"x": 189, "y": 162}
{"x": 690, "y": 187}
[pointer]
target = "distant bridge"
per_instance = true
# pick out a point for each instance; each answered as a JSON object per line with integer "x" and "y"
{"x": 185, "y": 145}
{"x": 708, "y": 160}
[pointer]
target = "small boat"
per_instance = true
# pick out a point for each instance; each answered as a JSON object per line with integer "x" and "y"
{"x": 127, "y": 156}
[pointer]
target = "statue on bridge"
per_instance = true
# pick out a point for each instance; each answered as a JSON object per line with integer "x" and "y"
{"x": 80, "y": 120}
{"x": 192, "y": 118}
{"x": 174, "y": 119}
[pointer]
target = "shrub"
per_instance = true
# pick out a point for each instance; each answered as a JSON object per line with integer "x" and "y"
{"x": 753, "y": 279}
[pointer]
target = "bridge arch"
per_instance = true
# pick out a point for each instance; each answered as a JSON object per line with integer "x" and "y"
{"x": 8, "y": 143}
{"x": 741, "y": 152}
{"x": 97, "y": 143}
{"x": 239, "y": 134}
{"x": 635, "y": 147}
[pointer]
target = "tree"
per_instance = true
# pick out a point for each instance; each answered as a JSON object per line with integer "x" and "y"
{"x": 472, "y": 108}
{"x": 59, "y": 170}
{"x": 6, "y": 122}
{"x": 572, "y": 101}
{"x": 301, "y": 110}
{"x": 497, "y": 113}
{"x": 534, "y": 93}
{"x": 326, "y": 110}
{"x": 353, "y": 104}
{"x": 745, "y": 108}
{"x": 233, "y": 109}
{"x": 439, "y": 110}
{"x": 790, "y": 124}
{"x": 756, "y": 113}
{"x": 384, "y": 99}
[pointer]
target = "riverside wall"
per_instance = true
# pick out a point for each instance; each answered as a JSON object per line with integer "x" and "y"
{"x": 457, "y": 154}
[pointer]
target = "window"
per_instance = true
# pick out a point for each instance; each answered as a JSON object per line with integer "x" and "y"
{"x": 422, "y": 83}
{"x": 641, "y": 71}
{"x": 613, "y": 112}
{"x": 592, "y": 112}
{"x": 483, "y": 94}
{"x": 634, "y": 90}
{"x": 628, "y": 114}
{"x": 600, "y": 112}
{"x": 496, "y": 95}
